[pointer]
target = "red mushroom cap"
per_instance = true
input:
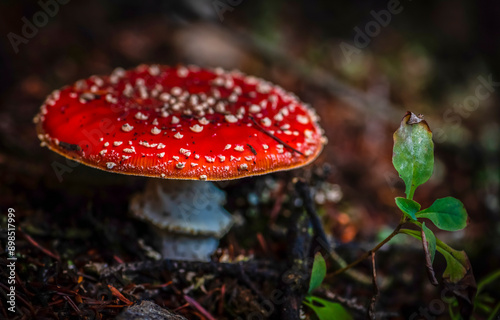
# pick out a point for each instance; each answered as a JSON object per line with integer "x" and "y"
{"x": 180, "y": 123}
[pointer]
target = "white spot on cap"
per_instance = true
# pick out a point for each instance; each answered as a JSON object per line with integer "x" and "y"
{"x": 161, "y": 146}
{"x": 176, "y": 158}
{"x": 203, "y": 121}
{"x": 129, "y": 150}
{"x": 175, "y": 120}
{"x": 155, "y": 131}
{"x": 239, "y": 148}
{"x": 146, "y": 144}
{"x": 106, "y": 144}
{"x": 248, "y": 158}
{"x": 155, "y": 122}
{"x": 154, "y": 70}
{"x": 222, "y": 158}
{"x": 278, "y": 117}
{"x": 109, "y": 98}
{"x": 265, "y": 146}
{"x": 127, "y": 128}
{"x": 243, "y": 166}
{"x": 176, "y": 91}
{"x": 182, "y": 72}
{"x": 185, "y": 152}
{"x": 141, "y": 116}
{"x": 254, "y": 108}
{"x": 161, "y": 155}
{"x": 178, "y": 135}
{"x": 220, "y": 107}
{"x": 308, "y": 134}
{"x": 193, "y": 164}
{"x": 203, "y": 177}
{"x": 227, "y": 147}
{"x": 117, "y": 143}
{"x": 196, "y": 128}
{"x": 164, "y": 97}
{"x": 263, "y": 87}
{"x": 128, "y": 90}
{"x": 110, "y": 165}
{"x": 266, "y": 122}
{"x": 196, "y": 156}
{"x": 103, "y": 151}
{"x": 124, "y": 157}
{"x": 302, "y": 119}
{"x": 180, "y": 165}
{"x": 233, "y": 98}
{"x": 210, "y": 159}
{"x": 230, "y": 118}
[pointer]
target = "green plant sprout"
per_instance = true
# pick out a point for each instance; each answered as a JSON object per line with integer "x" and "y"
{"x": 413, "y": 158}
{"x": 323, "y": 309}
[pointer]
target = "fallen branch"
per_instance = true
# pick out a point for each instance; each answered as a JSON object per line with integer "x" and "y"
{"x": 253, "y": 269}
{"x": 294, "y": 283}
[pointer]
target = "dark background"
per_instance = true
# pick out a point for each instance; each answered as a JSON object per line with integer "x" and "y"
{"x": 428, "y": 59}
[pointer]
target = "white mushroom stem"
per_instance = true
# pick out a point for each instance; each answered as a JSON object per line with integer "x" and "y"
{"x": 188, "y": 216}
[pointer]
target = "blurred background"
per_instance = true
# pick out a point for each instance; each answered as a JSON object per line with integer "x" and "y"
{"x": 361, "y": 64}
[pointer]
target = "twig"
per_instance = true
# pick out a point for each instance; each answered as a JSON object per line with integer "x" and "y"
{"x": 37, "y": 245}
{"x": 72, "y": 304}
{"x": 260, "y": 128}
{"x": 375, "y": 249}
{"x": 371, "y": 308}
{"x": 294, "y": 281}
{"x": 249, "y": 283}
{"x": 304, "y": 193}
{"x": 352, "y": 304}
{"x": 252, "y": 268}
{"x": 198, "y": 307}
{"x": 119, "y": 295}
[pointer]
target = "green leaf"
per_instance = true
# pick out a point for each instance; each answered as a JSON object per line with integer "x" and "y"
{"x": 431, "y": 241}
{"x": 456, "y": 262}
{"x": 409, "y": 207}
{"x": 318, "y": 272}
{"x": 326, "y": 310}
{"x": 413, "y": 153}
{"x": 447, "y": 214}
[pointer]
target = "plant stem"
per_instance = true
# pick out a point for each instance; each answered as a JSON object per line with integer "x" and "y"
{"x": 411, "y": 193}
{"x": 374, "y": 249}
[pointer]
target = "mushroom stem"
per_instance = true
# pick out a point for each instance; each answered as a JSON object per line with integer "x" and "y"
{"x": 187, "y": 216}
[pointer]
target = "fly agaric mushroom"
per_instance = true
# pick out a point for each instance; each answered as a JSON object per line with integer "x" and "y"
{"x": 183, "y": 123}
